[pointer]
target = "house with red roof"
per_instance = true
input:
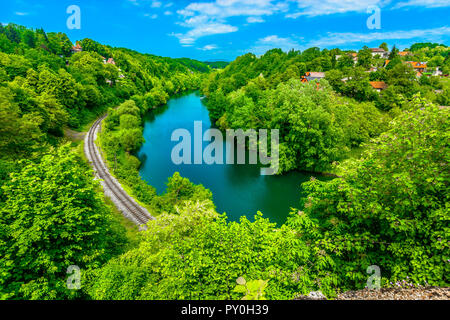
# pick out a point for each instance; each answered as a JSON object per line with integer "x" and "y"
{"x": 378, "y": 85}
{"x": 418, "y": 66}
{"x": 77, "y": 48}
{"x": 314, "y": 75}
{"x": 404, "y": 53}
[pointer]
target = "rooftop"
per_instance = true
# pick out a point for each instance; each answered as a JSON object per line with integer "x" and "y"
{"x": 377, "y": 50}
{"x": 378, "y": 84}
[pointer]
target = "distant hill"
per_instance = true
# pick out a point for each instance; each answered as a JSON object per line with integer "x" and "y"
{"x": 194, "y": 64}
{"x": 202, "y": 66}
{"x": 220, "y": 64}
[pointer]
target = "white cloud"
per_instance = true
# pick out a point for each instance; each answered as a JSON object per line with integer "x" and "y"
{"x": 151, "y": 16}
{"x": 335, "y": 39}
{"x": 151, "y": 3}
{"x": 423, "y": 3}
{"x": 313, "y": 8}
{"x": 168, "y": 13}
{"x": 204, "y": 29}
{"x": 211, "y": 18}
{"x": 255, "y": 20}
{"x": 21, "y": 13}
{"x": 208, "y": 47}
{"x": 156, "y": 4}
{"x": 274, "y": 41}
{"x": 233, "y": 8}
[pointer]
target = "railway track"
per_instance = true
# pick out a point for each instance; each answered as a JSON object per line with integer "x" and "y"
{"x": 112, "y": 188}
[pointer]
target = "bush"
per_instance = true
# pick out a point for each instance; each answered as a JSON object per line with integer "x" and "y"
{"x": 390, "y": 208}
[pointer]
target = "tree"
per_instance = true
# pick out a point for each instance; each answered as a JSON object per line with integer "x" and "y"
{"x": 12, "y": 33}
{"x": 199, "y": 255}
{"x": 52, "y": 218}
{"x": 357, "y": 86}
{"x": 394, "y": 53}
{"x": 29, "y": 38}
{"x": 179, "y": 190}
{"x": 128, "y": 121}
{"x": 131, "y": 139}
{"x": 19, "y": 135}
{"x": 384, "y": 46}
{"x": 384, "y": 211}
{"x": 365, "y": 58}
{"x": 345, "y": 61}
{"x": 14, "y": 65}
{"x": 403, "y": 77}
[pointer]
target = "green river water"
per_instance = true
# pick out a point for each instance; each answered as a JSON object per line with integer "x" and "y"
{"x": 237, "y": 189}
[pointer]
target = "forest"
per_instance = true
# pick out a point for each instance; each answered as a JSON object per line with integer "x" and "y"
{"x": 388, "y": 204}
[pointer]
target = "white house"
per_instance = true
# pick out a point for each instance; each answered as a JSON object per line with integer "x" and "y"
{"x": 379, "y": 51}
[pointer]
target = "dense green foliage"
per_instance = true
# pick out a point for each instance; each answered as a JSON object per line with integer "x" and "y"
{"x": 384, "y": 212}
{"x": 217, "y": 64}
{"x": 317, "y": 127}
{"x": 53, "y": 217}
{"x": 390, "y": 208}
{"x": 199, "y": 255}
{"x": 51, "y": 212}
{"x": 45, "y": 87}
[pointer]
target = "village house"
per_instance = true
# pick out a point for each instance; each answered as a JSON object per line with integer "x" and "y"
{"x": 378, "y": 85}
{"x": 77, "y": 48}
{"x": 354, "y": 57}
{"x": 418, "y": 66}
{"x": 380, "y": 52}
{"x": 404, "y": 53}
{"x": 109, "y": 61}
{"x": 309, "y": 76}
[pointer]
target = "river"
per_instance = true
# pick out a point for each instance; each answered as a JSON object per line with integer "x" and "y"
{"x": 238, "y": 190}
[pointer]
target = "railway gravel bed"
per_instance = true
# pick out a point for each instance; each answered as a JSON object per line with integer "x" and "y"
{"x": 421, "y": 293}
{"x": 111, "y": 187}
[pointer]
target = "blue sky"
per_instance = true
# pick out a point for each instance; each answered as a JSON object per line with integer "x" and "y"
{"x": 225, "y": 29}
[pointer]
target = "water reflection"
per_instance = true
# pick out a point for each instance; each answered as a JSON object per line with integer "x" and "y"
{"x": 238, "y": 189}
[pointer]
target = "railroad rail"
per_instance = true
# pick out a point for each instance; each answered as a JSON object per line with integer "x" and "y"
{"x": 112, "y": 188}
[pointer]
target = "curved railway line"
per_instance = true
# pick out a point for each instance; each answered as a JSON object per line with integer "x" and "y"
{"x": 112, "y": 188}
